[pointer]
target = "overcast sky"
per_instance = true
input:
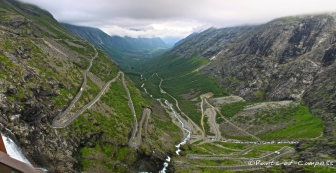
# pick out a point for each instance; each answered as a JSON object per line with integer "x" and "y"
{"x": 175, "y": 18}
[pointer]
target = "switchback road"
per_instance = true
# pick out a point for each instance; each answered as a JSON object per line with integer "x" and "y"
{"x": 64, "y": 113}
{"x": 63, "y": 122}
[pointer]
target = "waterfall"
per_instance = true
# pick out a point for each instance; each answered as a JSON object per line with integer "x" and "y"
{"x": 165, "y": 165}
{"x": 13, "y": 150}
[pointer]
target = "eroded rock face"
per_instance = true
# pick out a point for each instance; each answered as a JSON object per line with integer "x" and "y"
{"x": 288, "y": 58}
{"x": 27, "y": 92}
{"x": 15, "y": 119}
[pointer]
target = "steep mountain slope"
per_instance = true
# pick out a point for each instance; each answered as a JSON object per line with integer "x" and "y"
{"x": 45, "y": 72}
{"x": 280, "y": 59}
{"x": 288, "y": 59}
{"x": 122, "y": 49}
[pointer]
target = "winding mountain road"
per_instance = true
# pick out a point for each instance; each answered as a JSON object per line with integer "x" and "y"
{"x": 134, "y": 143}
{"x": 136, "y": 130}
{"x": 252, "y": 162}
{"x": 253, "y": 136}
{"x": 79, "y": 94}
{"x": 202, "y": 118}
{"x": 212, "y": 118}
{"x": 62, "y": 123}
{"x": 273, "y": 155}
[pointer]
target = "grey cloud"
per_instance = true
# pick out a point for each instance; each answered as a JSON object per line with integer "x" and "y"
{"x": 143, "y": 13}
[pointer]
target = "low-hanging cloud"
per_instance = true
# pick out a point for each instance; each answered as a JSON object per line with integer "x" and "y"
{"x": 175, "y": 17}
{"x": 156, "y": 29}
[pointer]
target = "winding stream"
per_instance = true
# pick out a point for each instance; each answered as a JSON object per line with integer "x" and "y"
{"x": 142, "y": 86}
{"x": 184, "y": 141}
{"x": 165, "y": 165}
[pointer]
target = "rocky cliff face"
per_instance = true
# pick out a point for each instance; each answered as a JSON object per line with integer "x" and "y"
{"x": 35, "y": 70}
{"x": 287, "y": 58}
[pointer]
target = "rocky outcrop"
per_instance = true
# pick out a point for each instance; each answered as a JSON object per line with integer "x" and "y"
{"x": 19, "y": 25}
{"x": 31, "y": 80}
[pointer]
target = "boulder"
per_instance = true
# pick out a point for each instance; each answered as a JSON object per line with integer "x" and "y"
{"x": 15, "y": 119}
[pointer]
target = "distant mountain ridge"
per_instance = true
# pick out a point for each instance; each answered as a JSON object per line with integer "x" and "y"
{"x": 99, "y": 37}
{"x": 121, "y": 49}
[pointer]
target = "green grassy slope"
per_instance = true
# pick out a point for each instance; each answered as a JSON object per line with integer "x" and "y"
{"x": 179, "y": 78}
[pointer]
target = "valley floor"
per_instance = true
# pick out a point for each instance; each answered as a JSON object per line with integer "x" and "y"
{"x": 234, "y": 134}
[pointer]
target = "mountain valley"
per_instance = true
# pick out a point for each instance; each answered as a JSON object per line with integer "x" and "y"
{"x": 126, "y": 51}
{"x": 223, "y": 100}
